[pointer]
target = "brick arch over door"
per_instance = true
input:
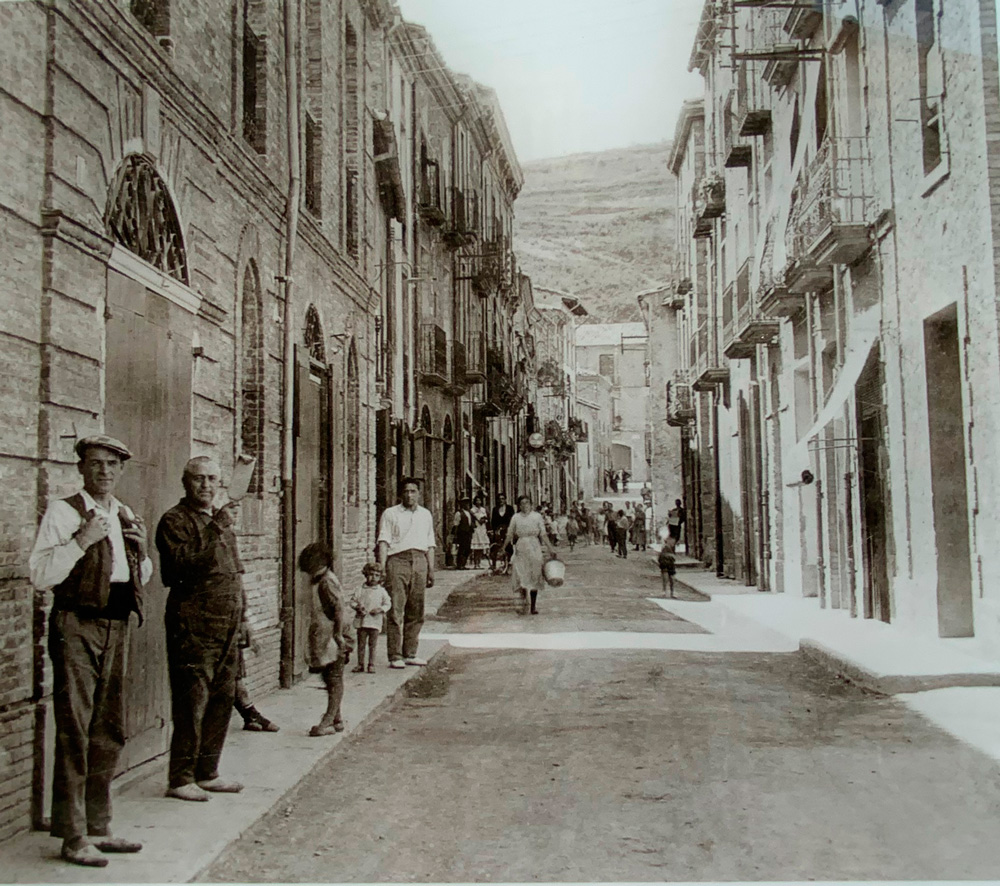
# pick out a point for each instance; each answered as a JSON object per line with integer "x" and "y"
{"x": 141, "y": 216}
{"x": 252, "y": 382}
{"x": 352, "y": 410}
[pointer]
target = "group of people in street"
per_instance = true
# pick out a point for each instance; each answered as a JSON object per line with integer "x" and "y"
{"x": 616, "y": 480}
{"x": 92, "y": 552}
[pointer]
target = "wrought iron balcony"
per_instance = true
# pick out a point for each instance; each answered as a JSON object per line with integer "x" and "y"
{"x": 708, "y": 372}
{"x": 475, "y": 359}
{"x": 429, "y": 203}
{"x": 462, "y": 226}
{"x": 710, "y": 199}
{"x": 753, "y": 101}
{"x": 459, "y": 380}
{"x": 775, "y": 299}
{"x": 433, "y": 363}
{"x": 736, "y": 151}
{"x": 830, "y": 223}
{"x": 748, "y": 330}
{"x": 680, "y": 402}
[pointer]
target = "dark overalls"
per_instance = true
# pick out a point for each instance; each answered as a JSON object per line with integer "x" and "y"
{"x": 200, "y": 563}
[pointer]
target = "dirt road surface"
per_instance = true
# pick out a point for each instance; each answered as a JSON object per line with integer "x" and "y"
{"x": 617, "y": 764}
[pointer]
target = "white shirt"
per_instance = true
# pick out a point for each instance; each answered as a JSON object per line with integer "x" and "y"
{"x": 56, "y": 552}
{"x": 405, "y": 530}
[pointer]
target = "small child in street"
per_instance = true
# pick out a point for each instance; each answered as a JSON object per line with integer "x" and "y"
{"x": 370, "y": 603}
{"x": 329, "y": 640}
{"x": 572, "y": 530}
{"x": 668, "y": 566}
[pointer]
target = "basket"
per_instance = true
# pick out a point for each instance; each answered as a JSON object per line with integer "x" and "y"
{"x": 554, "y": 572}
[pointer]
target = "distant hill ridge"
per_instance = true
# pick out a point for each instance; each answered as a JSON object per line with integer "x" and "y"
{"x": 599, "y": 226}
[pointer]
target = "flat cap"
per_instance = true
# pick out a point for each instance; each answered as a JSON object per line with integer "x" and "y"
{"x": 104, "y": 442}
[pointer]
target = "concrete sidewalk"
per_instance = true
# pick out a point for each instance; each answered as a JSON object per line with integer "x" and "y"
{"x": 181, "y": 839}
{"x": 871, "y": 653}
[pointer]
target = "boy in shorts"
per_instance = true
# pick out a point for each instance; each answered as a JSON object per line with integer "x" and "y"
{"x": 668, "y": 566}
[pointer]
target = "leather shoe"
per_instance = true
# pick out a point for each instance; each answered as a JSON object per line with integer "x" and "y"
{"x": 396, "y": 664}
{"x": 116, "y": 844}
{"x": 86, "y": 855}
{"x": 218, "y": 786}
{"x": 260, "y": 723}
{"x": 327, "y": 728}
{"x": 416, "y": 662}
{"x": 188, "y": 792}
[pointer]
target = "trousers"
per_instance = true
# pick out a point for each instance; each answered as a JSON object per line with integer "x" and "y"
{"x": 367, "y": 637}
{"x": 406, "y": 576}
{"x": 88, "y": 671}
{"x": 203, "y": 658}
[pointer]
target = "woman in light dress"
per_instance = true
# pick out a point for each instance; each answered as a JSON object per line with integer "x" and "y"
{"x": 480, "y": 538}
{"x": 528, "y": 535}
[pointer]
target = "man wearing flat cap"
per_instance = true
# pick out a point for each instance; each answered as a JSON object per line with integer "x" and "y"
{"x": 91, "y": 553}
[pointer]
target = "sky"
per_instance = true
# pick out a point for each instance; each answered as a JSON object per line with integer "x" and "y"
{"x": 572, "y": 76}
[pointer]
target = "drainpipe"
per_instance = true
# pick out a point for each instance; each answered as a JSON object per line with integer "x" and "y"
{"x": 849, "y": 508}
{"x": 288, "y": 369}
{"x": 820, "y": 560}
{"x": 717, "y": 482}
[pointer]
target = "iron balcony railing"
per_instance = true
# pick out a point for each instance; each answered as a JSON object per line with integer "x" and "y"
{"x": 475, "y": 358}
{"x": 433, "y": 361}
{"x": 834, "y": 197}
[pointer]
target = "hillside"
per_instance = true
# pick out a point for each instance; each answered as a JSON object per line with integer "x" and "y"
{"x": 598, "y": 226}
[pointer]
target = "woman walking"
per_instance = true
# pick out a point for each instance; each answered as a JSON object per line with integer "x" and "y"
{"x": 480, "y": 538}
{"x": 527, "y": 533}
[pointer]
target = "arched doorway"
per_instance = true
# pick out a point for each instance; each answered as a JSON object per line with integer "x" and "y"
{"x": 313, "y": 465}
{"x": 148, "y": 404}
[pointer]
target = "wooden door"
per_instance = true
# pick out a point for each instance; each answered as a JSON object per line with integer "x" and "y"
{"x": 311, "y": 486}
{"x": 148, "y": 407}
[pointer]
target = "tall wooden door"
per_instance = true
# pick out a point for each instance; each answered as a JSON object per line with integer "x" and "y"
{"x": 149, "y": 408}
{"x": 312, "y": 483}
{"x": 874, "y": 470}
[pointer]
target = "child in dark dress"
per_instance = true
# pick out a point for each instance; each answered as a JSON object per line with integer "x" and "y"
{"x": 668, "y": 566}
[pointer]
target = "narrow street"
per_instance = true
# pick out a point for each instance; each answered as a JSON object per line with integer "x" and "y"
{"x": 575, "y": 761}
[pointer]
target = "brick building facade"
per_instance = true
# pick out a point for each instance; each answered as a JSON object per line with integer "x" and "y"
{"x": 216, "y": 241}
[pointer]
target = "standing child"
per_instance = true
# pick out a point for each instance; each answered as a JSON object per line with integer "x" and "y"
{"x": 370, "y": 603}
{"x": 668, "y": 566}
{"x": 329, "y": 642}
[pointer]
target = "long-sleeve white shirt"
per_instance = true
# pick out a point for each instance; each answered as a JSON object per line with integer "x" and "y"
{"x": 56, "y": 552}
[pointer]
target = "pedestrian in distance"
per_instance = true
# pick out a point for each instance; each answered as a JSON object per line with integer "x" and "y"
{"x": 527, "y": 534}
{"x": 370, "y": 603}
{"x": 639, "y": 527}
{"x": 675, "y": 519}
{"x": 406, "y": 555}
{"x": 328, "y": 648}
{"x": 205, "y": 617}
{"x": 622, "y": 525}
{"x": 480, "y": 536}
{"x": 572, "y": 530}
{"x": 612, "y": 527}
{"x": 462, "y": 529}
{"x": 597, "y": 520}
{"x": 91, "y": 552}
{"x": 668, "y": 567}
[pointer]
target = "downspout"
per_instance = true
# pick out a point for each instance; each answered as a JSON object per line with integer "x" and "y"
{"x": 288, "y": 367}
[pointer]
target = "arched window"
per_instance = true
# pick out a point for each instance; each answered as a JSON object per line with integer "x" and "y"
{"x": 141, "y": 217}
{"x": 252, "y": 371}
{"x": 353, "y": 418}
{"x": 313, "y": 337}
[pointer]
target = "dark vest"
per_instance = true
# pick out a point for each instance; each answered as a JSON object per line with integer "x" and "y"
{"x": 87, "y": 588}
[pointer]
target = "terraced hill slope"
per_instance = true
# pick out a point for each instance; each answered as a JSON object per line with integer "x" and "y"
{"x": 598, "y": 226}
